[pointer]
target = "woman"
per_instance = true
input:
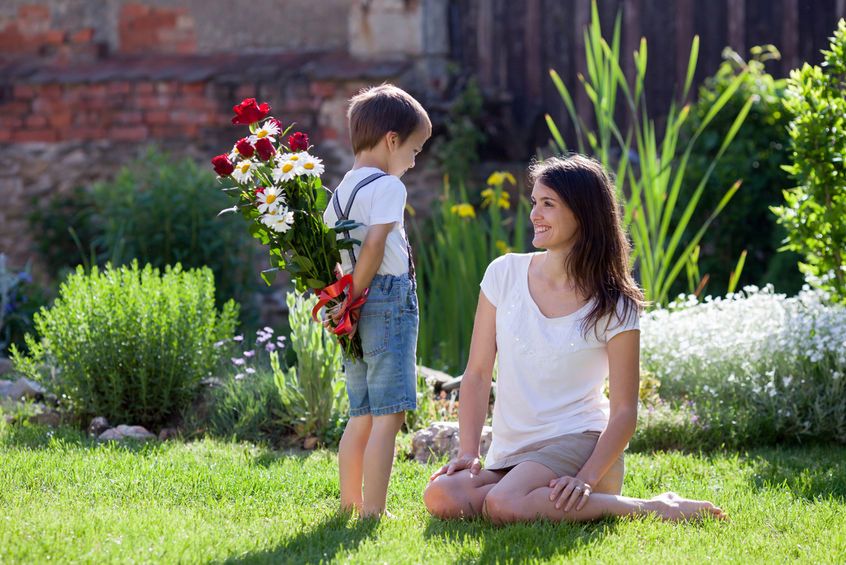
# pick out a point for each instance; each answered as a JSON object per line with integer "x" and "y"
{"x": 561, "y": 321}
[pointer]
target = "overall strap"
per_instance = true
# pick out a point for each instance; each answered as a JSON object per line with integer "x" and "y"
{"x": 344, "y": 215}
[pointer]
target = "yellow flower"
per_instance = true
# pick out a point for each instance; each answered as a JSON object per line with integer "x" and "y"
{"x": 502, "y": 247}
{"x": 488, "y": 195}
{"x": 499, "y": 177}
{"x": 463, "y": 210}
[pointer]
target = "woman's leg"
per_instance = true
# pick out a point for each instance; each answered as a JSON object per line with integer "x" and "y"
{"x": 351, "y": 460}
{"x": 378, "y": 461}
{"x": 459, "y": 495}
{"x": 523, "y": 495}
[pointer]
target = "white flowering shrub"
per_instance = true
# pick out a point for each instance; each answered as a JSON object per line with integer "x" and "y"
{"x": 752, "y": 367}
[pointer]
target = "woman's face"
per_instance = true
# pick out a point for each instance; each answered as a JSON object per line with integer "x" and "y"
{"x": 555, "y": 225}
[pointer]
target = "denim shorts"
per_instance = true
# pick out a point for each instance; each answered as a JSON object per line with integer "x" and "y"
{"x": 385, "y": 380}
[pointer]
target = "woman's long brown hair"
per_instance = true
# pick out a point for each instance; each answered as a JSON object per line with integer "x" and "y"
{"x": 599, "y": 260}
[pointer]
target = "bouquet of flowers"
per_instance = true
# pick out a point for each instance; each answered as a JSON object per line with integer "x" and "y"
{"x": 277, "y": 188}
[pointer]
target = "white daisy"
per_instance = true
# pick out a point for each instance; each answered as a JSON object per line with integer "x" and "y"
{"x": 312, "y": 165}
{"x": 243, "y": 171}
{"x": 268, "y": 129}
{"x": 270, "y": 200}
{"x": 280, "y": 222}
{"x": 286, "y": 170}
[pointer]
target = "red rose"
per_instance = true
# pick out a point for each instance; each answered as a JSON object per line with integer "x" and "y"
{"x": 245, "y": 148}
{"x": 222, "y": 165}
{"x": 259, "y": 190}
{"x": 298, "y": 142}
{"x": 265, "y": 149}
{"x": 248, "y": 112}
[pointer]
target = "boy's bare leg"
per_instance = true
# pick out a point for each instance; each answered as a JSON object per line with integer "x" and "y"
{"x": 351, "y": 460}
{"x": 378, "y": 461}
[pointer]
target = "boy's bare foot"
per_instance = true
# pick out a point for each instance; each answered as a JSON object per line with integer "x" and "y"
{"x": 384, "y": 514}
{"x": 672, "y": 507}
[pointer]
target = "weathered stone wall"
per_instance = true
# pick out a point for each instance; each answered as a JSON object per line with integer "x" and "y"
{"x": 86, "y": 86}
{"x": 62, "y": 27}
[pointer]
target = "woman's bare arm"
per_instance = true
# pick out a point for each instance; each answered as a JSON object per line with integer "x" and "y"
{"x": 475, "y": 389}
{"x": 624, "y": 384}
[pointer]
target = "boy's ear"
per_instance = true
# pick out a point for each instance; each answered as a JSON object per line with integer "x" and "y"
{"x": 392, "y": 138}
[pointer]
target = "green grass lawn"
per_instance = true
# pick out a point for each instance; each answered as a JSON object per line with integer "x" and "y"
{"x": 64, "y": 498}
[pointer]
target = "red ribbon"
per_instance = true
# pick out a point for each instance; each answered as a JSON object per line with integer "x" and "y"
{"x": 350, "y": 309}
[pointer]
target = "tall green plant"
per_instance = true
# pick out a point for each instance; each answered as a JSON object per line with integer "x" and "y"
{"x": 312, "y": 393}
{"x": 815, "y": 211}
{"x": 128, "y": 343}
{"x": 649, "y": 163}
{"x": 459, "y": 249}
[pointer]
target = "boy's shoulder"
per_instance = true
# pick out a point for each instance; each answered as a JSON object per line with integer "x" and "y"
{"x": 355, "y": 176}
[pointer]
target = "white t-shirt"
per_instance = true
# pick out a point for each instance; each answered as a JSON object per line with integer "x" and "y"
{"x": 380, "y": 202}
{"x": 550, "y": 378}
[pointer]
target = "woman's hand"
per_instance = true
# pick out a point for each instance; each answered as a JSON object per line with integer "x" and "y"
{"x": 569, "y": 491}
{"x": 461, "y": 462}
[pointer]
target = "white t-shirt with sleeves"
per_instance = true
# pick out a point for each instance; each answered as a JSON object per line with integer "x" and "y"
{"x": 551, "y": 377}
{"x": 380, "y": 202}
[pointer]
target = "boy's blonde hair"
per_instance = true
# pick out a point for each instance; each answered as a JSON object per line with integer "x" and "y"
{"x": 377, "y": 110}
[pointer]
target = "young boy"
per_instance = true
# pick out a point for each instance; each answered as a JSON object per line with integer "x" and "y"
{"x": 388, "y": 128}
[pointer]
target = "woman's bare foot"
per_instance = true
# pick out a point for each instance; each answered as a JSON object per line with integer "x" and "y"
{"x": 672, "y": 507}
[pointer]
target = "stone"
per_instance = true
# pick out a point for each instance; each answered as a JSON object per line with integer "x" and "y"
{"x": 135, "y": 432}
{"x": 455, "y": 384}
{"x": 452, "y": 384}
{"x": 441, "y": 439}
{"x": 168, "y": 433}
{"x": 25, "y": 388}
{"x": 211, "y": 382}
{"x": 6, "y": 366}
{"x": 110, "y": 435}
{"x": 98, "y": 425}
{"x": 123, "y": 432}
{"x": 51, "y": 418}
{"x": 434, "y": 378}
{"x": 51, "y": 399}
{"x": 5, "y": 387}
{"x": 310, "y": 442}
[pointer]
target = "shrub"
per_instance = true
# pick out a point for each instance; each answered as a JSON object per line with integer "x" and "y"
{"x": 157, "y": 210}
{"x": 758, "y": 153}
{"x": 754, "y": 367}
{"x": 130, "y": 344}
{"x": 814, "y": 212}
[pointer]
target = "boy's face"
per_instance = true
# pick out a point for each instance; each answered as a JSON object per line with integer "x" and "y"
{"x": 401, "y": 155}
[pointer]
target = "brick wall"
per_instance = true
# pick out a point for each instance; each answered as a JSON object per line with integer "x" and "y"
{"x": 66, "y": 27}
{"x": 85, "y": 86}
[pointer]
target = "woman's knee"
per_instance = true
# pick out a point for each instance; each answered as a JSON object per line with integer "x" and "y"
{"x": 612, "y": 482}
{"x": 500, "y": 507}
{"x": 444, "y": 500}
